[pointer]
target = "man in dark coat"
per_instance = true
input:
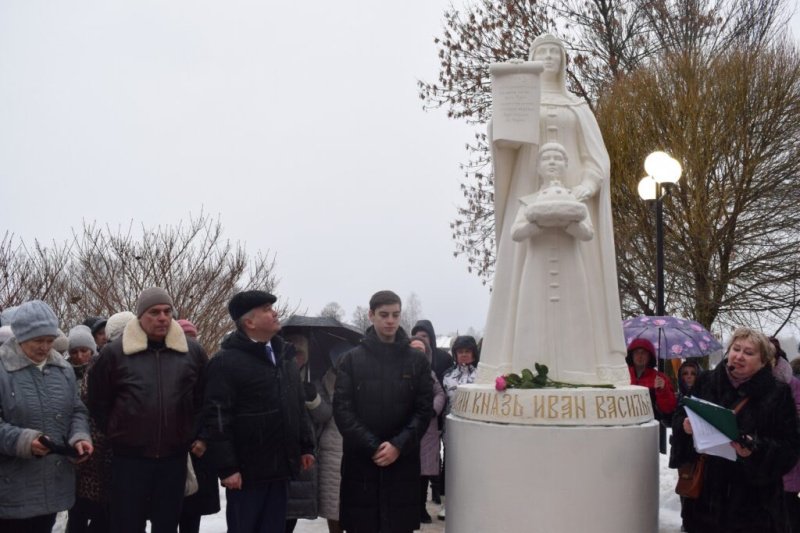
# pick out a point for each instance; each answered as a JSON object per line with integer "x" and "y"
{"x": 255, "y": 418}
{"x": 144, "y": 392}
{"x": 382, "y": 405}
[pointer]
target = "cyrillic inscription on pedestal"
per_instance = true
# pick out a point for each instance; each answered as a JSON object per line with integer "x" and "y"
{"x": 565, "y": 407}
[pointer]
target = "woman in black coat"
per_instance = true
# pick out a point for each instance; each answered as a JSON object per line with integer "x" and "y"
{"x": 743, "y": 496}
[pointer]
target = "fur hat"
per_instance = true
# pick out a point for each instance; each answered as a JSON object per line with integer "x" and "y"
{"x": 34, "y": 319}
{"x": 81, "y": 337}
{"x": 243, "y": 302}
{"x": 116, "y": 324}
{"x": 150, "y": 297}
{"x": 645, "y": 345}
{"x": 467, "y": 342}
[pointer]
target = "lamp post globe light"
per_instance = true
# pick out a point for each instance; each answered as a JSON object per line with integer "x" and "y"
{"x": 662, "y": 171}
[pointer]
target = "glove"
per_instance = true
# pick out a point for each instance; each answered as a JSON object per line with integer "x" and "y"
{"x": 310, "y": 391}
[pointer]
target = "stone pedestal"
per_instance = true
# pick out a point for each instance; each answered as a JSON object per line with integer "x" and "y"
{"x": 536, "y": 476}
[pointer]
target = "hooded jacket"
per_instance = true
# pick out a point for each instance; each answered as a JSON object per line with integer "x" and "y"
{"x": 254, "y": 412}
{"x": 441, "y": 361}
{"x": 145, "y": 395}
{"x": 663, "y": 399}
{"x": 383, "y": 393}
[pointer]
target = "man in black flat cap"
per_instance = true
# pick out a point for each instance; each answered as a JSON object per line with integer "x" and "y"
{"x": 254, "y": 416}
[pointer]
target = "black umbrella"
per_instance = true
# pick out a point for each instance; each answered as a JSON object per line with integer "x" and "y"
{"x": 323, "y": 333}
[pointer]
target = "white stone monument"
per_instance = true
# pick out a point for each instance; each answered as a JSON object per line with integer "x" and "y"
{"x": 551, "y": 460}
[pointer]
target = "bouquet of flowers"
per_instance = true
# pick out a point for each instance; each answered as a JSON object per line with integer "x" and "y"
{"x": 538, "y": 381}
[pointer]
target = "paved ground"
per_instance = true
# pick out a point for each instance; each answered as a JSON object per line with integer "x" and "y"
{"x": 319, "y": 525}
{"x": 216, "y": 523}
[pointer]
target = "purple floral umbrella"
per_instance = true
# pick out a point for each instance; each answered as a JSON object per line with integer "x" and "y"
{"x": 673, "y": 338}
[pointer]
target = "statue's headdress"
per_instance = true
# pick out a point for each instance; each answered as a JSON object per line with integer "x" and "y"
{"x": 546, "y": 38}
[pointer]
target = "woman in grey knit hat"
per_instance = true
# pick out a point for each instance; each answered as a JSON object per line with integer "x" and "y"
{"x": 44, "y": 424}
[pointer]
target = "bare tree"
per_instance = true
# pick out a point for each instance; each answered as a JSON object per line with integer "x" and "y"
{"x": 102, "y": 271}
{"x": 412, "y": 311}
{"x": 611, "y": 44}
{"x": 35, "y": 272}
{"x": 607, "y": 40}
{"x": 732, "y": 241}
{"x": 360, "y": 318}
{"x": 333, "y": 310}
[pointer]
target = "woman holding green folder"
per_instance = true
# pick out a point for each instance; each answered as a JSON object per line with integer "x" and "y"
{"x": 746, "y": 495}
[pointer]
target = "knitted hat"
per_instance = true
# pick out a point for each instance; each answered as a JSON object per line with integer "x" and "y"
{"x": 34, "y": 319}
{"x": 116, "y": 324}
{"x": 150, "y": 297}
{"x": 5, "y": 333}
{"x": 81, "y": 337}
{"x": 61, "y": 344}
{"x": 188, "y": 327}
{"x": 243, "y": 302}
{"x": 95, "y": 323}
{"x": 7, "y": 315}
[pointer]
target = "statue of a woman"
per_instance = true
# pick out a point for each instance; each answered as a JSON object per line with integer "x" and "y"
{"x": 530, "y": 318}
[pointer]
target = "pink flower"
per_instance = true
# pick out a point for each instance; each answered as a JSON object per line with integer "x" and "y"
{"x": 659, "y": 322}
{"x": 688, "y": 344}
{"x": 677, "y": 349}
{"x": 500, "y": 383}
{"x": 696, "y": 327}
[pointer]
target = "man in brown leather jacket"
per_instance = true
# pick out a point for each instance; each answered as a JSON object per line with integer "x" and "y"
{"x": 145, "y": 391}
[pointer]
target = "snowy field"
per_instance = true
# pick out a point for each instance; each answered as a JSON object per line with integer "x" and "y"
{"x": 669, "y": 517}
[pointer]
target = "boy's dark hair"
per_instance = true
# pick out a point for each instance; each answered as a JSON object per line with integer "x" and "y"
{"x": 383, "y": 298}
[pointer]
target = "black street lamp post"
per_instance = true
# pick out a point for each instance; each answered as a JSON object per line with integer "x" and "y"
{"x": 662, "y": 170}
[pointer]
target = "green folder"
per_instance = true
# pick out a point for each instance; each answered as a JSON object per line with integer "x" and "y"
{"x": 722, "y": 418}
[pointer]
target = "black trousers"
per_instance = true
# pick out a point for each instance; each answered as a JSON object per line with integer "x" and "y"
{"x": 37, "y": 524}
{"x": 87, "y": 516}
{"x": 260, "y": 509}
{"x": 146, "y": 489}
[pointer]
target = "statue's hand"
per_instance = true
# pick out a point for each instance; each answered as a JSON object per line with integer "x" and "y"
{"x": 581, "y": 193}
{"x": 530, "y": 214}
{"x": 516, "y": 60}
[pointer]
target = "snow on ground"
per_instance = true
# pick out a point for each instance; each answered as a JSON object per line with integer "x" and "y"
{"x": 669, "y": 517}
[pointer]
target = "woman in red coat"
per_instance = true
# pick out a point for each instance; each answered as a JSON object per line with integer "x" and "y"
{"x": 641, "y": 361}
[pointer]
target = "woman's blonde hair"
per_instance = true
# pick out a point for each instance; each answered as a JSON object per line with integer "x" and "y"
{"x": 765, "y": 348}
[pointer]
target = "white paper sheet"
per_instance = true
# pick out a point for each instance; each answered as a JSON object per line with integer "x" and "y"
{"x": 708, "y": 439}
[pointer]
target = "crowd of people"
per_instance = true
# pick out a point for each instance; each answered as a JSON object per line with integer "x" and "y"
{"x": 127, "y": 420}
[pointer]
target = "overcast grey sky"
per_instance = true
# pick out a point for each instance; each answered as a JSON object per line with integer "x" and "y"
{"x": 298, "y": 123}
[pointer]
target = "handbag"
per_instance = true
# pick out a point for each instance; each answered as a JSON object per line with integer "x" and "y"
{"x": 191, "y": 486}
{"x": 690, "y": 475}
{"x": 690, "y": 478}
